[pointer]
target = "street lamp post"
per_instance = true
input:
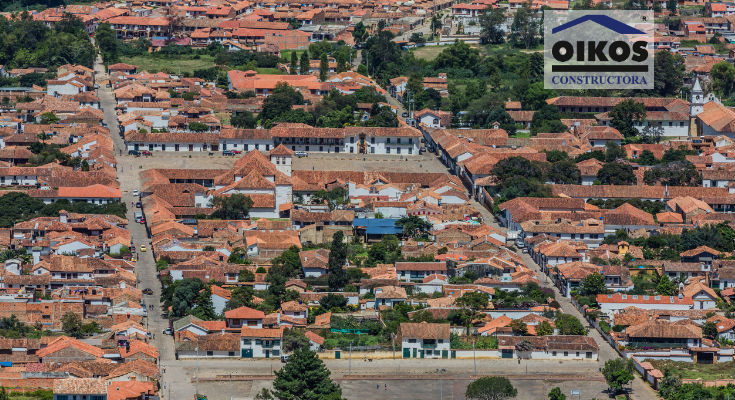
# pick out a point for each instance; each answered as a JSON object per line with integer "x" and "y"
{"x": 474, "y": 355}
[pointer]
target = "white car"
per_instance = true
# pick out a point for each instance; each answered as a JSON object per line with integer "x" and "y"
{"x": 135, "y": 192}
{"x": 301, "y": 154}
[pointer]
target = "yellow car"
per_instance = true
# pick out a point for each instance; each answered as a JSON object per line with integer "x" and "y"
{"x": 142, "y": 247}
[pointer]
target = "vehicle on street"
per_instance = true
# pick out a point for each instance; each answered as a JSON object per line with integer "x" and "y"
{"x": 142, "y": 221}
{"x": 284, "y": 358}
{"x": 228, "y": 153}
{"x": 143, "y": 248}
{"x": 148, "y": 291}
{"x": 404, "y": 115}
{"x": 168, "y": 331}
{"x": 136, "y": 192}
{"x": 146, "y": 153}
{"x": 138, "y": 216}
{"x": 301, "y": 154}
{"x": 134, "y": 153}
{"x": 139, "y": 204}
{"x": 236, "y": 151}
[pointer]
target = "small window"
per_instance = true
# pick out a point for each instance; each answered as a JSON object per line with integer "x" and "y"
{"x": 246, "y": 341}
{"x": 566, "y": 354}
{"x": 589, "y": 354}
{"x": 387, "y": 140}
{"x": 231, "y": 353}
{"x": 372, "y": 140}
{"x": 577, "y": 354}
{"x": 411, "y": 340}
{"x": 387, "y": 150}
{"x": 553, "y": 354}
{"x": 210, "y": 353}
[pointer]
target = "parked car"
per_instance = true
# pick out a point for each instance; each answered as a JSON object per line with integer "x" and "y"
{"x": 168, "y": 331}
{"x": 228, "y": 153}
{"x": 142, "y": 221}
{"x": 301, "y": 154}
{"x": 139, "y": 204}
{"x": 148, "y": 291}
{"x": 136, "y": 193}
{"x": 236, "y": 151}
{"x": 284, "y": 358}
{"x": 146, "y": 153}
{"x": 143, "y": 248}
{"x": 134, "y": 153}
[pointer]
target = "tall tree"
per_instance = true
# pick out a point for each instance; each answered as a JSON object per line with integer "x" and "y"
{"x": 556, "y": 394}
{"x": 723, "y": 76}
{"x": 235, "y": 206}
{"x": 359, "y": 33}
{"x": 304, "y": 63}
{"x": 625, "y": 115}
{"x": 305, "y": 377}
{"x": 616, "y": 173}
{"x": 71, "y": 324}
{"x": 669, "y": 72}
{"x": 337, "y": 277}
{"x": 524, "y": 29}
{"x": 592, "y": 285}
{"x": 294, "y": 65}
{"x": 618, "y": 372}
{"x": 491, "y": 388}
{"x": 665, "y": 287}
{"x": 323, "y": 68}
{"x": 490, "y": 22}
{"x": 472, "y": 304}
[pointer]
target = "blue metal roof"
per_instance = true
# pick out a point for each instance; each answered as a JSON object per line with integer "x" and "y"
{"x": 374, "y": 226}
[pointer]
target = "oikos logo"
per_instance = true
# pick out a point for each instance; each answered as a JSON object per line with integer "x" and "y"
{"x": 598, "y": 50}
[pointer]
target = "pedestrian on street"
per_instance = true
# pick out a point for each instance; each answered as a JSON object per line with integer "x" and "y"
{"x": 377, "y": 386}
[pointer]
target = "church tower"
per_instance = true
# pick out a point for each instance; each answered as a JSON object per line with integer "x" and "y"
{"x": 696, "y": 104}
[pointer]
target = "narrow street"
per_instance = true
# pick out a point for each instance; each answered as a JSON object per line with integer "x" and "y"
{"x": 145, "y": 268}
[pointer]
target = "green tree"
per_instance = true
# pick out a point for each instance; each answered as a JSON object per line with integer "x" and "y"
{"x": 592, "y": 285}
{"x": 48, "y": 118}
{"x": 544, "y": 329}
{"x": 458, "y": 55}
{"x": 204, "y": 308}
{"x": 235, "y": 206}
{"x": 568, "y": 324}
{"x": 671, "y": 5}
{"x": 472, "y": 304}
{"x": 524, "y": 29}
{"x": 305, "y": 377}
{"x": 646, "y": 158}
{"x": 491, "y": 388}
{"x": 615, "y": 173}
{"x": 556, "y": 394}
{"x": 668, "y": 72}
{"x": 625, "y": 115}
{"x": 709, "y": 330}
{"x": 198, "y": 127}
{"x": 244, "y": 119}
{"x": 323, "y": 68}
{"x": 617, "y": 373}
{"x": 337, "y": 276}
{"x": 333, "y": 301}
{"x": 519, "y": 327}
{"x": 246, "y": 275}
{"x": 240, "y": 296}
{"x": 293, "y": 67}
{"x": 547, "y": 120}
{"x": 71, "y": 324}
{"x": 564, "y": 172}
{"x": 360, "y": 33}
{"x": 490, "y": 22}
{"x": 535, "y": 97}
{"x": 676, "y": 173}
{"x": 414, "y": 226}
{"x": 304, "y": 63}
{"x": 723, "y": 76}
{"x": 284, "y": 97}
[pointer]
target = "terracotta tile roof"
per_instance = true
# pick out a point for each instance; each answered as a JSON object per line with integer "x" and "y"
{"x": 261, "y": 333}
{"x": 627, "y": 215}
{"x": 80, "y": 386}
{"x": 421, "y": 266}
{"x": 244, "y": 313}
{"x": 661, "y": 329}
{"x": 699, "y": 250}
{"x": 424, "y": 330}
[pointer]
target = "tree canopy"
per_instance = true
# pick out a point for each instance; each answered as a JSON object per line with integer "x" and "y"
{"x": 305, "y": 377}
{"x": 491, "y": 388}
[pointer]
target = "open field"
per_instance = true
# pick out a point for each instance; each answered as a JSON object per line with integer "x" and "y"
{"x": 151, "y": 63}
{"x": 686, "y": 370}
{"x": 428, "y": 52}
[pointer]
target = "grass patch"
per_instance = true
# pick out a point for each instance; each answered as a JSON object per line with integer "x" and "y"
{"x": 428, "y": 52}
{"x": 520, "y": 134}
{"x": 686, "y": 370}
{"x": 269, "y": 71}
{"x": 186, "y": 63}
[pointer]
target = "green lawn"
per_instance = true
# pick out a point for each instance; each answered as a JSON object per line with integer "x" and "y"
{"x": 428, "y": 52}
{"x": 685, "y": 370}
{"x": 152, "y": 63}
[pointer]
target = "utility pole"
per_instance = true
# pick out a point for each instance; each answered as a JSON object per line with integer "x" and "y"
{"x": 230, "y": 385}
{"x": 197, "y": 372}
{"x": 349, "y": 371}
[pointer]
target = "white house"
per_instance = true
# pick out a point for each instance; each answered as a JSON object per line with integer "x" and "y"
{"x": 611, "y": 304}
{"x": 424, "y": 340}
{"x": 260, "y": 343}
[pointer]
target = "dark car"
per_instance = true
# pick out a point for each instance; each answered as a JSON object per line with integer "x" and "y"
{"x": 228, "y": 153}
{"x": 134, "y": 153}
{"x": 148, "y": 291}
{"x": 139, "y": 204}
